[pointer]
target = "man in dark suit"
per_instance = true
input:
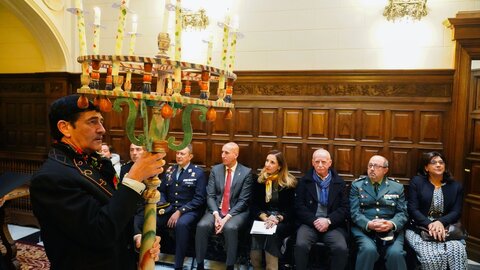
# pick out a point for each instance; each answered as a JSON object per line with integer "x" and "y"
{"x": 228, "y": 193}
{"x": 321, "y": 205}
{"x": 183, "y": 193}
{"x": 136, "y": 151}
{"x": 86, "y": 217}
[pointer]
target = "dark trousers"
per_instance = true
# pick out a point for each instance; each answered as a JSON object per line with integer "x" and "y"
{"x": 183, "y": 228}
{"x": 368, "y": 252}
{"x": 205, "y": 228}
{"x": 335, "y": 239}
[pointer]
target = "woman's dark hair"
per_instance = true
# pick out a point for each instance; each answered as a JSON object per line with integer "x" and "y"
{"x": 427, "y": 158}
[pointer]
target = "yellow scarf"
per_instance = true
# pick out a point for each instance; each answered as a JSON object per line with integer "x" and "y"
{"x": 268, "y": 186}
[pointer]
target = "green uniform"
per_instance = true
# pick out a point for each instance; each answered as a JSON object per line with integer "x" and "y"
{"x": 389, "y": 204}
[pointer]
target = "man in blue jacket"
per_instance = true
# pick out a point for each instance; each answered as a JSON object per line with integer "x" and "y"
{"x": 182, "y": 202}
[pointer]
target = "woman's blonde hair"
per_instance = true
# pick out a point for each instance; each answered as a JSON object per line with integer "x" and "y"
{"x": 285, "y": 178}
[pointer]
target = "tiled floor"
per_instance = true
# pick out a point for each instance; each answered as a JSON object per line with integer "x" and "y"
{"x": 166, "y": 261}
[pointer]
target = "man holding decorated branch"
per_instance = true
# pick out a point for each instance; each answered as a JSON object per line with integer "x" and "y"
{"x": 85, "y": 214}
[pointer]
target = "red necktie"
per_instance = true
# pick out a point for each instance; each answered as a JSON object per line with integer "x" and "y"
{"x": 226, "y": 193}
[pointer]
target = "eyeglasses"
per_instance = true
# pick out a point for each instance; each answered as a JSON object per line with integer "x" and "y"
{"x": 375, "y": 166}
{"x": 434, "y": 162}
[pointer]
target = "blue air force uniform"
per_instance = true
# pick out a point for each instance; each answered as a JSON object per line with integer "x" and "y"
{"x": 389, "y": 204}
{"x": 187, "y": 193}
{"x": 184, "y": 191}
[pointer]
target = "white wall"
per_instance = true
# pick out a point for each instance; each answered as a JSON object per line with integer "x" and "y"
{"x": 292, "y": 35}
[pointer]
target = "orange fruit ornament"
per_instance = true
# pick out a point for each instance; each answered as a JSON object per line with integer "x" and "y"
{"x": 167, "y": 111}
{"x": 211, "y": 114}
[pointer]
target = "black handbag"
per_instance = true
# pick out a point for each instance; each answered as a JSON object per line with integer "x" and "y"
{"x": 455, "y": 231}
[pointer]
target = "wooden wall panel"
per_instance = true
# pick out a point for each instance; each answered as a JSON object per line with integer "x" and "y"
{"x": 293, "y": 156}
{"x": 268, "y": 123}
{"x": 198, "y": 127}
{"x": 10, "y": 112}
{"x": 216, "y": 153}
{"x": 199, "y": 152}
{"x": 353, "y": 114}
{"x": 373, "y": 126}
{"x": 476, "y": 136}
{"x": 176, "y": 123}
{"x": 243, "y": 119}
{"x": 402, "y": 127}
{"x": 344, "y": 160}
{"x": 431, "y": 127}
{"x": 245, "y": 156}
{"x": 220, "y": 126}
{"x": 345, "y": 125}
{"x": 318, "y": 124}
{"x": 264, "y": 148}
{"x": 292, "y": 123}
{"x": 400, "y": 162}
{"x": 475, "y": 174}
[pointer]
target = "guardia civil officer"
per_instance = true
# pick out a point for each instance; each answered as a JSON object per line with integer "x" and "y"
{"x": 379, "y": 213}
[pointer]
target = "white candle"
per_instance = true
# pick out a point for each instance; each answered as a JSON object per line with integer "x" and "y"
{"x": 209, "y": 51}
{"x": 233, "y": 43}
{"x": 166, "y": 16}
{"x": 121, "y": 27}
{"x": 79, "y": 4}
{"x": 134, "y": 23}
{"x": 98, "y": 14}
{"x": 226, "y": 31}
{"x": 96, "y": 30}
{"x": 81, "y": 27}
{"x": 178, "y": 31}
{"x": 133, "y": 35}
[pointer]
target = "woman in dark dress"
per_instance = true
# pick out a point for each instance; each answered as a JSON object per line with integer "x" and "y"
{"x": 435, "y": 201}
{"x": 273, "y": 197}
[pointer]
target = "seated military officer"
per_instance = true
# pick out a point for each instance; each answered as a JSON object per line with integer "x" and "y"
{"x": 183, "y": 194}
{"x": 379, "y": 213}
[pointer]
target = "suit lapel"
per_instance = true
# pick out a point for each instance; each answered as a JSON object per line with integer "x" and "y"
{"x": 236, "y": 179}
{"x": 312, "y": 188}
{"x": 221, "y": 175}
{"x": 332, "y": 190}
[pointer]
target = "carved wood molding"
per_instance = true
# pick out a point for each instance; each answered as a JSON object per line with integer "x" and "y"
{"x": 381, "y": 83}
{"x": 351, "y": 89}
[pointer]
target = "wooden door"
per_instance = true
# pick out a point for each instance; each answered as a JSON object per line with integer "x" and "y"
{"x": 471, "y": 214}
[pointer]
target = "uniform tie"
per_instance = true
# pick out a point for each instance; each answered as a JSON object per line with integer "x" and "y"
{"x": 226, "y": 193}
{"x": 375, "y": 187}
{"x": 180, "y": 173}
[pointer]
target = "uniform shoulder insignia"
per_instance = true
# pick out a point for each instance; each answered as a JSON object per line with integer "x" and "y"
{"x": 360, "y": 178}
{"x": 126, "y": 163}
{"x": 393, "y": 179}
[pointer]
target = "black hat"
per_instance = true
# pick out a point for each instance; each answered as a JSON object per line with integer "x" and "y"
{"x": 66, "y": 108}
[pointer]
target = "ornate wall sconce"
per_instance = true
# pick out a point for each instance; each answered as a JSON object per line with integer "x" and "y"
{"x": 397, "y": 9}
{"x": 195, "y": 20}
